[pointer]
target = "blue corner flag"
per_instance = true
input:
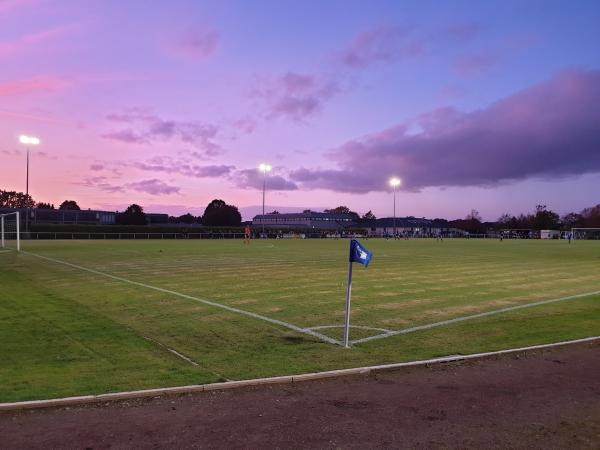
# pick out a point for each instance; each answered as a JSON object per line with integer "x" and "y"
{"x": 359, "y": 254}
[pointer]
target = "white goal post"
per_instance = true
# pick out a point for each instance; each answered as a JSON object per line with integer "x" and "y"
{"x": 10, "y": 231}
{"x": 585, "y": 233}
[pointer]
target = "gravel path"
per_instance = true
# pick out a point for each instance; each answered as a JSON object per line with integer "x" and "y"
{"x": 547, "y": 399}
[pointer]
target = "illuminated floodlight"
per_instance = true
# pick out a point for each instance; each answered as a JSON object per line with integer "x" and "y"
{"x": 395, "y": 182}
{"x": 264, "y": 168}
{"x": 28, "y": 140}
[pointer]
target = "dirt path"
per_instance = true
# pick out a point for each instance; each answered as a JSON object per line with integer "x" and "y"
{"x": 548, "y": 399}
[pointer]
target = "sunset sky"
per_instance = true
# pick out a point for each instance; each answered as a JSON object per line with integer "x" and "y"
{"x": 169, "y": 104}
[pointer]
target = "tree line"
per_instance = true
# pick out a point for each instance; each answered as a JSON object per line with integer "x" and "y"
{"x": 219, "y": 213}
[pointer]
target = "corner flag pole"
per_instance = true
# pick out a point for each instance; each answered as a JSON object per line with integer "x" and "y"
{"x": 348, "y": 296}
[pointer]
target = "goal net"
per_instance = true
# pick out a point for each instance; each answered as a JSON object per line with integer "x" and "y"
{"x": 10, "y": 237}
{"x": 586, "y": 233}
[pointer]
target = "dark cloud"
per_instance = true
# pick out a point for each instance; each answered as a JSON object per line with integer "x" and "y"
{"x": 146, "y": 128}
{"x": 548, "y": 131}
{"x": 253, "y": 179}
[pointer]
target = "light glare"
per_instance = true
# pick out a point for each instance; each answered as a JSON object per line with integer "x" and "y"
{"x": 265, "y": 168}
{"x": 395, "y": 182}
{"x": 28, "y": 140}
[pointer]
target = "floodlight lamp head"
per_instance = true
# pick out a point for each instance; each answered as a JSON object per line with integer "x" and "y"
{"x": 264, "y": 168}
{"x": 28, "y": 140}
{"x": 395, "y": 182}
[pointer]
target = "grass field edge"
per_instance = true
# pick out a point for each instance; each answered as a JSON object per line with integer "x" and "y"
{"x": 288, "y": 379}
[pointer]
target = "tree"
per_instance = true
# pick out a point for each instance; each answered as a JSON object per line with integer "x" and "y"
{"x": 571, "y": 220}
{"x": 274, "y": 212}
{"x": 474, "y": 216}
{"x": 545, "y": 219}
{"x": 186, "y": 218}
{"x": 343, "y": 210}
{"x": 13, "y": 199}
{"x": 368, "y": 216}
{"x": 591, "y": 217}
{"x": 133, "y": 215}
{"x": 42, "y": 205}
{"x": 70, "y": 205}
{"x": 220, "y": 214}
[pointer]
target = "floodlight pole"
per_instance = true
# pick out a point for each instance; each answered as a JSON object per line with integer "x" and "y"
{"x": 394, "y": 211}
{"x": 263, "y": 200}
{"x": 27, "y": 193}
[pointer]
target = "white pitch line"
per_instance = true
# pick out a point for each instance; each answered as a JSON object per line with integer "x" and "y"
{"x": 281, "y": 323}
{"x": 358, "y": 327}
{"x": 474, "y": 316}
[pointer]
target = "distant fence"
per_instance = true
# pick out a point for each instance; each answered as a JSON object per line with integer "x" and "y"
{"x": 61, "y": 235}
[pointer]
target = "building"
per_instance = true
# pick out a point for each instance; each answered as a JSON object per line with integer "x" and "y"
{"x": 79, "y": 217}
{"x": 65, "y": 216}
{"x": 309, "y": 220}
{"x": 410, "y": 226}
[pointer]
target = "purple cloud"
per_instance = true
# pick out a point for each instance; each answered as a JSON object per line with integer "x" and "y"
{"x": 253, "y": 179}
{"x": 97, "y": 167}
{"x": 127, "y": 136}
{"x": 101, "y": 183}
{"x": 383, "y": 43}
{"x": 184, "y": 167}
{"x": 476, "y": 63}
{"x": 146, "y": 128}
{"x": 297, "y": 96}
{"x": 197, "y": 44}
{"x": 153, "y": 187}
{"x": 463, "y": 32}
{"x": 547, "y": 131}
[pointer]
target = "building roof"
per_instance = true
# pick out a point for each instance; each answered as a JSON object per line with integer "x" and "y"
{"x": 309, "y": 216}
{"x": 401, "y": 222}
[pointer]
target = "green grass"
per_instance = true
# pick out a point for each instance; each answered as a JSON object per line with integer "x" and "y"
{"x": 65, "y": 331}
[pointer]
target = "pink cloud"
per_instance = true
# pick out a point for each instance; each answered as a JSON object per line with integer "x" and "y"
{"x": 31, "y": 41}
{"x": 9, "y": 6}
{"x": 32, "y": 85}
{"x": 197, "y": 44}
{"x": 383, "y": 43}
{"x": 547, "y": 131}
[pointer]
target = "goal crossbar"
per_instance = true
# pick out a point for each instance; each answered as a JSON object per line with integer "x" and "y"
{"x": 582, "y": 233}
{"x": 10, "y": 230}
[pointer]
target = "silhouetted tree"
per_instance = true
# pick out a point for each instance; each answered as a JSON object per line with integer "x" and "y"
{"x": 343, "y": 210}
{"x": 368, "y": 216}
{"x": 218, "y": 213}
{"x": 545, "y": 219}
{"x": 186, "y": 218}
{"x": 69, "y": 205}
{"x": 14, "y": 199}
{"x": 133, "y": 215}
{"x": 42, "y": 205}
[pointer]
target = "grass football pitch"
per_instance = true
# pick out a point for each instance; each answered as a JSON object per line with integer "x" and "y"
{"x": 89, "y": 317}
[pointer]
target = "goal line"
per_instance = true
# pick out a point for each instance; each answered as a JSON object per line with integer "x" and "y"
{"x": 10, "y": 232}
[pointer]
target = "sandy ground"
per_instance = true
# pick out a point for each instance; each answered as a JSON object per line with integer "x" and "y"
{"x": 546, "y": 400}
